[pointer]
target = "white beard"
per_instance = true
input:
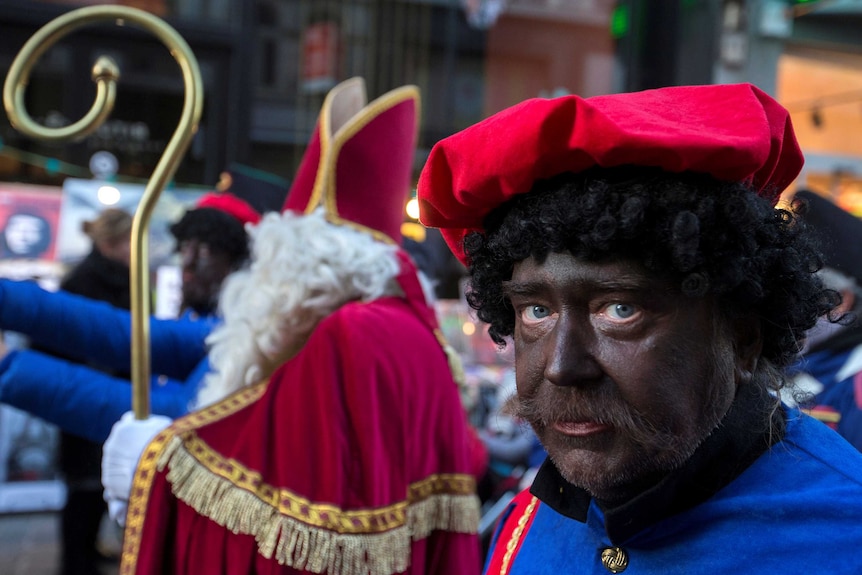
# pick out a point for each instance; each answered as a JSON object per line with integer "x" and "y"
{"x": 302, "y": 269}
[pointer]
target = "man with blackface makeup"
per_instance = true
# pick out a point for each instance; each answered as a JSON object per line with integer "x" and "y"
{"x": 629, "y": 248}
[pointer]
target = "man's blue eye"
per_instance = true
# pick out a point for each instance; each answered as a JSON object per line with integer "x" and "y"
{"x": 537, "y": 312}
{"x": 621, "y": 310}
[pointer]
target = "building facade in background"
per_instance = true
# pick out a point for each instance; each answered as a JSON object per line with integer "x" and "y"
{"x": 267, "y": 64}
{"x": 806, "y": 53}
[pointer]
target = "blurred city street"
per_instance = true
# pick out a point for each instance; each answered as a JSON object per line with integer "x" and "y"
{"x": 29, "y": 545}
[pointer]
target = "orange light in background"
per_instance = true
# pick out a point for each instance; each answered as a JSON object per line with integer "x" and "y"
{"x": 852, "y": 202}
{"x": 414, "y": 231}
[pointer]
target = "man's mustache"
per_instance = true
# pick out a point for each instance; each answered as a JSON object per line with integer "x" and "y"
{"x": 550, "y": 404}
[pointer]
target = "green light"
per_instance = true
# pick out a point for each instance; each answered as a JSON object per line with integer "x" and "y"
{"x": 52, "y": 166}
{"x": 620, "y": 21}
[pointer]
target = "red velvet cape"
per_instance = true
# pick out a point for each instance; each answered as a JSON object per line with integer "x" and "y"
{"x": 355, "y": 457}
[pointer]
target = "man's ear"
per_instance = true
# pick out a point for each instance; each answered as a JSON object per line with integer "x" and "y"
{"x": 748, "y": 344}
{"x": 848, "y": 300}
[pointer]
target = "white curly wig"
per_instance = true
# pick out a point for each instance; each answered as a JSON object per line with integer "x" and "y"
{"x": 302, "y": 269}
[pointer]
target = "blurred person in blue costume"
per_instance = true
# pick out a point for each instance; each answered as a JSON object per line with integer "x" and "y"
{"x": 102, "y": 275}
{"x": 630, "y": 246}
{"x": 831, "y": 367}
{"x": 211, "y": 241}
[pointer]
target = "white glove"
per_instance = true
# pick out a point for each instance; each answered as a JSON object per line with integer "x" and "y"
{"x": 120, "y": 454}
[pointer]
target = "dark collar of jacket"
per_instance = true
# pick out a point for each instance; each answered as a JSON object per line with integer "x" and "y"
{"x": 750, "y": 427}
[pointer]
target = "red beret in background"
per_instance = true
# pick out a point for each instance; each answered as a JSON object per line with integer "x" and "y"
{"x": 230, "y": 204}
{"x": 734, "y": 132}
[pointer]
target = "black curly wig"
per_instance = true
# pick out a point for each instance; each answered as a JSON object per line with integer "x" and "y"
{"x": 220, "y": 230}
{"x": 706, "y": 235}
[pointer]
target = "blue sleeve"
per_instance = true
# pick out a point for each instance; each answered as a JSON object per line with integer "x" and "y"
{"x": 177, "y": 346}
{"x": 79, "y": 399}
{"x": 845, "y": 398}
{"x": 95, "y": 332}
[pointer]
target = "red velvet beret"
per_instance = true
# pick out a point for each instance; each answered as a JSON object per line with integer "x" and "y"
{"x": 359, "y": 162}
{"x": 230, "y": 204}
{"x": 733, "y": 132}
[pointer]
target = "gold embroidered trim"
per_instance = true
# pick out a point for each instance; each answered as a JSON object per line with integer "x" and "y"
{"x": 355, "y": 89}
{"x": 146, "y": 470}
{"x": 823, "y": 415}
{"x": 517, "y": 533}
{"x": 196, "y": 453}
{"x": 316, "y": 537}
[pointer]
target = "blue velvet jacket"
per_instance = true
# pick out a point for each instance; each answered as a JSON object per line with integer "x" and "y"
{"x": 839, "y": 402}
{"x": 80, "y": 399}
{"x": 783, "y": 499}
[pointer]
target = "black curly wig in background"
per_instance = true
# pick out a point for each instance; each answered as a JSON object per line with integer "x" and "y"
{"x": 219, "y": 229}
{"x": 708, "y": 236}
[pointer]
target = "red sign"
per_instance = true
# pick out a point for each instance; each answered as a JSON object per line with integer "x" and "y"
{"x": 29, "y": 219}
{"x": 320, "y": 57}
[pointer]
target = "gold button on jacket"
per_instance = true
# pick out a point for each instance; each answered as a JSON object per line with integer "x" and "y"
{"x": 615, "y": 559}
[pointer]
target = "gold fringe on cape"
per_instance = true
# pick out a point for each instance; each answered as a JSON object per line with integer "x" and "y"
{"x": 315, "y": 537}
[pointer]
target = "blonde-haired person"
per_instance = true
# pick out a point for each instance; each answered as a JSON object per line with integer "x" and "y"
{"x": 102, "y": 275}
{"x": 111, "y": 234}
{"x": 106, "y": 267}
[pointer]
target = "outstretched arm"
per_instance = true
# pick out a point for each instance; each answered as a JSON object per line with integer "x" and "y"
{"x": 79, "y": 399}
{"x": 95, "y": 332}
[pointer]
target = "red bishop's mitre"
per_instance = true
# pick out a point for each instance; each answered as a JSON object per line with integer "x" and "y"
{"x": 359, "y": 162}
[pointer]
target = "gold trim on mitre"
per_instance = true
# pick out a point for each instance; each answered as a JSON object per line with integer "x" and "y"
{"x": 344, "y": 114}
